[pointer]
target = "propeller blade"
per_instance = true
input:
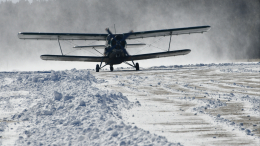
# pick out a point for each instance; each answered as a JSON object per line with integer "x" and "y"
{"x": 108, "y": 31}
{"x": 126, "y": 35}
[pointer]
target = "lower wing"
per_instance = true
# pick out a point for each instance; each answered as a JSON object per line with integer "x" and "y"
{"x": 158, "y": 55}
{"x": 74, "y": 58}
{"x": 106, "y": 59}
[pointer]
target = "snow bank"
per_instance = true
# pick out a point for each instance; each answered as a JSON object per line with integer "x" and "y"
{"x": 65, "y": 108}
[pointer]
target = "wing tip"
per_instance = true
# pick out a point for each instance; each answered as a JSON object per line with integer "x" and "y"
{"x": 209, "y": 27}
{"x": 20, "y": 35}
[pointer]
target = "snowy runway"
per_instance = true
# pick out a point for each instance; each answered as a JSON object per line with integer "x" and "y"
{"x": 215, "y": 104}
{"x": 203, "y": 104}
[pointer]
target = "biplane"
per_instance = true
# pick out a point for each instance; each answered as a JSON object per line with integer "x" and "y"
{"x": 115, "y": 51}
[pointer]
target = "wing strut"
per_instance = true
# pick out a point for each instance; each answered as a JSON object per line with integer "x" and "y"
{"x": 97, "y": 50}
{"x": 60, "y": 46}
{"x": 170, "y": 42}
{"x": 130, "y": 64}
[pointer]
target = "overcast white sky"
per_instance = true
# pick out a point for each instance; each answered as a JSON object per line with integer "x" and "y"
{"x": 14, "y": 0}
{"x": 229, "y": 39}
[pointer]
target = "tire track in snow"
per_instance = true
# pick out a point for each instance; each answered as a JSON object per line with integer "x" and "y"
{"x": 167, "y": 104}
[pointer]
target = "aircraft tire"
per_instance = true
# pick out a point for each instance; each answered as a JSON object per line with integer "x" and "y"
{"x": 97, "y": 68}
{"x": 137, "y": 66}
{"x": 111, "y": 68}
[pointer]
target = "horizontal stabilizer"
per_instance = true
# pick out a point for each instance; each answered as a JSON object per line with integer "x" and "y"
{"x": 92, "y": 46}
{"x": 135, "y": 45}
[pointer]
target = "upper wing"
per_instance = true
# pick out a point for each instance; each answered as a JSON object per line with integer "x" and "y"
{"x": 74, "y": 58}
{"x": 89, "y": 36}
{"x": 167, "y": 32}
{"x": 61, "y": 36}
{"x": 158, "y": 55}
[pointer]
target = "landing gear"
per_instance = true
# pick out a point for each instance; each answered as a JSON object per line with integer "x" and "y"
{"x": 97, "y": 68}
{"x": 111, "y": 68}
{"x": 137, "y": 66}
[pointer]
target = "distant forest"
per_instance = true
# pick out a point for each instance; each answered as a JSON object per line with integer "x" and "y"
{"x": 235, "y": 23}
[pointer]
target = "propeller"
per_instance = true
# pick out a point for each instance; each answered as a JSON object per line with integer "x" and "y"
{"x": 110, "y": 33}
{"x": 118, "y": 42}
{"x": 126, "y": 35}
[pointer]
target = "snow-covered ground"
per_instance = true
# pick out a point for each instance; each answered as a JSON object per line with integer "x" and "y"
{"x": 202, "y": 104}
{"x": 65, "y": 108}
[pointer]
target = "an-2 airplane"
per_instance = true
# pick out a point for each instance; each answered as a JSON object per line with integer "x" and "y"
{"x": 115, "y": 48}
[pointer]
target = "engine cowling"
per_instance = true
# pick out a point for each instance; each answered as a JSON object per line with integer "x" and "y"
{"x": 118, "y": 42}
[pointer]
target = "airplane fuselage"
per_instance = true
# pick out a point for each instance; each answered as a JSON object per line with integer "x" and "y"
{"x": 115, "y": 50}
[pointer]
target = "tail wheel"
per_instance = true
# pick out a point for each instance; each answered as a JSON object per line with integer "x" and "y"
{"x": 111, "y": 68}
{"x": 137, "y": 66}
{"x": 97, "y": 68}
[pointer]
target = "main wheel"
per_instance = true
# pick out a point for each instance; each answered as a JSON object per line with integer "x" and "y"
{"x": 97, "y": 68}
{"x": 111, "y": 68}
{"x": 137, "y": 66}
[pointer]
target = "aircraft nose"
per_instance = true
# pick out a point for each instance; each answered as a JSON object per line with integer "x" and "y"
{"x": 118, "y": 42}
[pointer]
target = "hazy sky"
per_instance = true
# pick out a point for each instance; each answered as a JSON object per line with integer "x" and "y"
{"x": 234, "y": 33}
{"x": 15, "y": 0}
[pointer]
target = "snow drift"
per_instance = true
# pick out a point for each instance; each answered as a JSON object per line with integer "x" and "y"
{"x": 65, "y": 108}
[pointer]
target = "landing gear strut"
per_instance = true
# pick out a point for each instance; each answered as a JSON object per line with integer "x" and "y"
{"x": 97, "y": 68}
{"x": 111, "y": 68}
{"x": 137, "y": 66}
